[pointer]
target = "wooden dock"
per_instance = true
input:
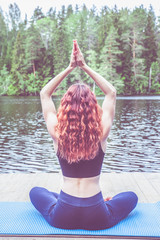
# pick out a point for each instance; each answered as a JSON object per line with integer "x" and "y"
{"x": 16, "y": 187}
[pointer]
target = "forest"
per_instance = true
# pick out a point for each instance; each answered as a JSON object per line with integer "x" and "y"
{"x": 120, "y": 44}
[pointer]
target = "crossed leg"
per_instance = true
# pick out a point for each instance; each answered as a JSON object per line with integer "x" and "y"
{"x": 43, "y": 200}
{"x": 121, "y": 205}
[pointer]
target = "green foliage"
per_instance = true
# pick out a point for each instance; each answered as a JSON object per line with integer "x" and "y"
{"x": 33, "y": 84}
{"x": 155, "y": 77}
{"x": 109, "y": 58}
{"x": 3, "y": 42}
{"x": 150, "y": 44}
{"x": 5, "y": 79}
{"x": 121, "y": 45}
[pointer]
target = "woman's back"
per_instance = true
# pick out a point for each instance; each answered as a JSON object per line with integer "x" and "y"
{"x": 81, "y": 179}
{"x": 79, "y": 132}
{"x": 78, "y": 144}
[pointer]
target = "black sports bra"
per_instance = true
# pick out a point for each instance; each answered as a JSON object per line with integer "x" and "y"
{"x": 83, "y": 168}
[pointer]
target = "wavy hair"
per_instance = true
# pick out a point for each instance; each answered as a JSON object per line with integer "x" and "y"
{"x": 79, "y": 124}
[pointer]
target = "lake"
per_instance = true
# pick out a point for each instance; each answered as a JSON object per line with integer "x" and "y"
{"x": 133, "y": 143}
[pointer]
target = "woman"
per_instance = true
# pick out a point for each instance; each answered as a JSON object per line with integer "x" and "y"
{"x": 79, "y": 132}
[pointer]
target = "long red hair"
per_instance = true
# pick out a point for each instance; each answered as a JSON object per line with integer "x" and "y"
{"x": 79, "y": 124}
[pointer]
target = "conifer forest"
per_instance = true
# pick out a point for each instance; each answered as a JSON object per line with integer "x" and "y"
{"x": 122, "y": 45}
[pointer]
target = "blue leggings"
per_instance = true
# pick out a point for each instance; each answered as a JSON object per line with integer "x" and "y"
{"x": 93, "y": 213}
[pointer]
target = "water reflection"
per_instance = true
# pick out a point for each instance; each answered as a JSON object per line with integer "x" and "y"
{"x": 133, "y": 144}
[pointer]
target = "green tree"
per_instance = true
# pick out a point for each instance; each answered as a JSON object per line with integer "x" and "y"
{"x": 109, "y": 63}
{"x": 69, "y": 10}
{"x": 125, "y": 57}
{"x": 103, "y": 26}
{"x": 33, "y": 85}
{"x": 37, "y": 14}
{"x": 122, "y": 45}
{"x": 47, "y": 29}
{"x": 52, "y": 13}
{"x": 15, "y": 16}
{"x": 5, "y": 79}
{"x": 92, "y": 61}
{"x": 13, "y": 21}
{"x": 155, "y": 78}
{"x": 33, "y": 50}
{"x": 136, "y": 38}
{"x": 17, "y": 85}
{"x": 3, "y": 40}
{"x": 150, "y": 41}
{"x": 61, "y": 48}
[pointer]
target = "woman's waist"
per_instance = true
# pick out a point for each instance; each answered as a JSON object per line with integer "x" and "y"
{"x": 81, "y": 187}
{"x": 80, "y": 201}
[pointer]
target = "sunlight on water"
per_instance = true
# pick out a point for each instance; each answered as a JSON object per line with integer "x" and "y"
{"x": 133, "y": 143}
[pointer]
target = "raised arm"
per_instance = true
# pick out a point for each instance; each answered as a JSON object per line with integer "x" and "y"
{"x": 109, "y": 102}
{"x": 48, "y": 107}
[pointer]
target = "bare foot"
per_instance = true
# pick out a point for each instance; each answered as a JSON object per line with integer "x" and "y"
{"x": 107, "y": 199}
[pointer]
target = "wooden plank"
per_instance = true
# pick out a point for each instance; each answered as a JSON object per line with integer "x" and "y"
{"x": 106, "y": 185}
{"x": 154, "y": 179}
{"x": 131, "y": 185}
{"x": 146, "y": 187}
{"x": 16, "y": 187}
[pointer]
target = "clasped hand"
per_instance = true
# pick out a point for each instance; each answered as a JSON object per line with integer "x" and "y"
{"x": 77, "y": 58}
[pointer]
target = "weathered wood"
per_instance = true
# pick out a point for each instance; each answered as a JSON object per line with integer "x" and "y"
{"x": 16, "y": 187}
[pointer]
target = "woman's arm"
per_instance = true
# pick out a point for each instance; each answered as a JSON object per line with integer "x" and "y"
{"x": 50, "y": 87}
{"x": 48, "y": 107}
{"x": 104, "y": 85}
{"x": 109, "y": 102}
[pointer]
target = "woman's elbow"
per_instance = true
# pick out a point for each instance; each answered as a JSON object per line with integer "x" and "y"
{"x": 113, "y": 93}
{"x": 43, "y": 94}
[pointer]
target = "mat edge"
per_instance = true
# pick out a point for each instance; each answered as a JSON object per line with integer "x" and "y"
{"x": 79, "y": 236}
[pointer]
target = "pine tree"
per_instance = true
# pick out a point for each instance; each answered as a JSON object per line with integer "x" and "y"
{"x": 3, "y": 40}
{"x": 15, "y": 16}
{"x": 136, "y": 38}
{"x": 17, "y": 85}
{"x": 69, "y": 10}
{"x": 155, "y": 78}
{"x": 33, "y": 49}
{"x": 5, "y": 80}
{"x": 150, "y": 43}
{"x": 125, "y": 57}
{"x": 103, "y": 26}
{"x": 109, "y": 63}
{"x": 37, "y": 14}
{"x": 92, "y": 30}
{"x": 47, "y": 28}
{"x": 13, "y": 22}
{"x": 92, "y": 62}
{"x": 61, "y": 47}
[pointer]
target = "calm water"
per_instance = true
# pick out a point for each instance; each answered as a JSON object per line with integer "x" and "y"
{"x": 133, "y": 144}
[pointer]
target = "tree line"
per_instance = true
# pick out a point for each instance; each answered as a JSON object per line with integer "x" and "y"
{"x": 122, "y": 45}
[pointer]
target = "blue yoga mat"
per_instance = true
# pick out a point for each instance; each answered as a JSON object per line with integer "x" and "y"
{"x": 21, "y": 218}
